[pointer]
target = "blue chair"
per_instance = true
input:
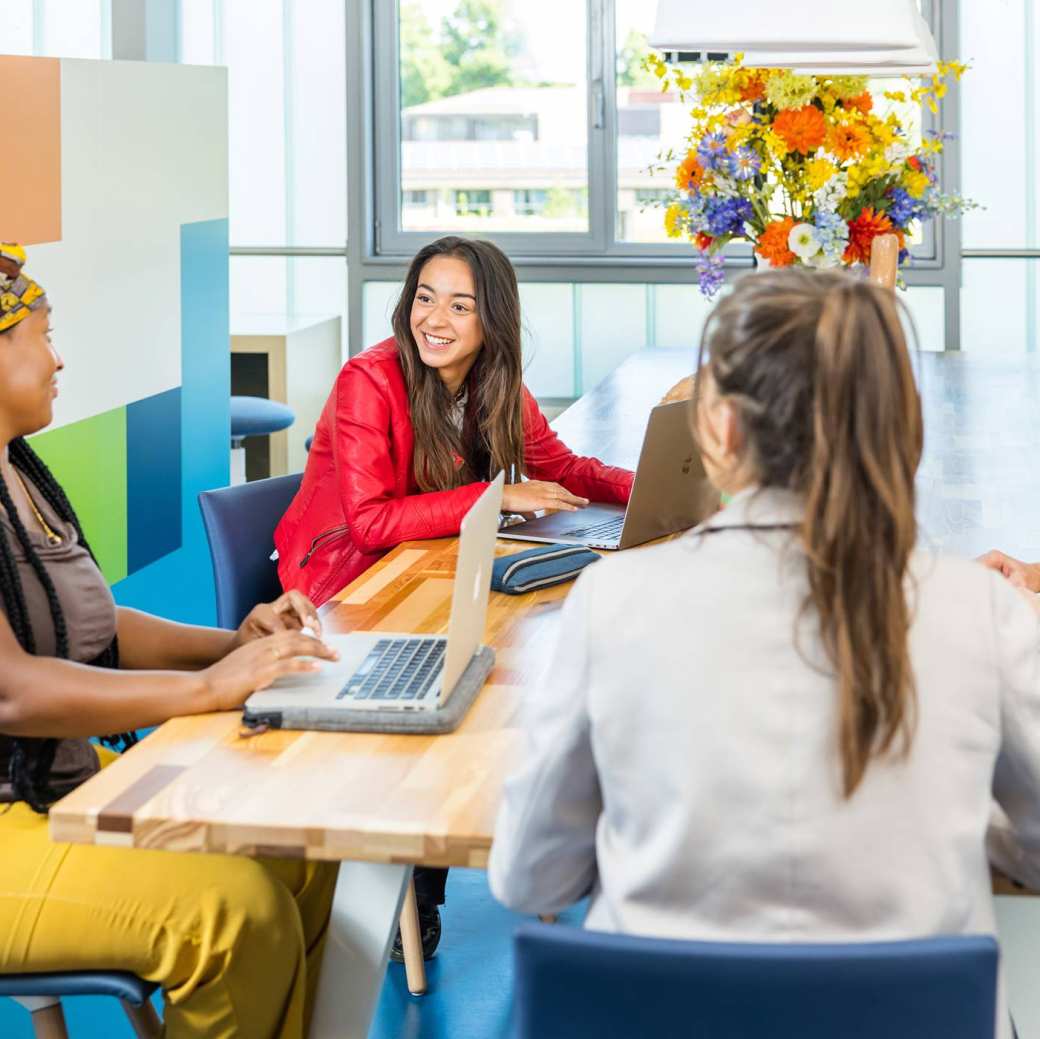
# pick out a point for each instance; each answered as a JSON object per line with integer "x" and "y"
{"x": 240, "y": 524}
{"x": 41, "y": 994}
{"x": 587, "y": 985}
{"x": 307, "y": 443}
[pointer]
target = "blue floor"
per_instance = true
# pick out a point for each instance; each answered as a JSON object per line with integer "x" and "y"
{"x": 470, "y": 980}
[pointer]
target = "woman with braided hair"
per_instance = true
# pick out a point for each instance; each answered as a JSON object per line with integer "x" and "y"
{"x": 234, "y": 943}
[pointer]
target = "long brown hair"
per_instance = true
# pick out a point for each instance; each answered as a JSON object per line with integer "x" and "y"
{"x": 817, "y": 366}
{"x": 492, "y": 436}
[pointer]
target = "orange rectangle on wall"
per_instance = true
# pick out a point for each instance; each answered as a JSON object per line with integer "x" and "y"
{"x": 30, "y": 183}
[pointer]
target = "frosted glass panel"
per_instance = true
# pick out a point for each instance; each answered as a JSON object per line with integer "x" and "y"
{"x": 613, "y": 326}
{"x": 679, "y": 315}
{"x": 380, "y": 298}
{"x": 253, "y": 52}
{"x": 548, "y": 320}
{"x": 317, "y": 97}
{"x": 17, "y": 36}
{"x": 1000, "y": 300}
{"x": 73, "y": 29}
{"x": 318, "y": 285}
{"x": 259, "y": 285}
{"x": 1000, "y": 96}
{"x": 198, "y": 43}
{"x": 927, "y": 307}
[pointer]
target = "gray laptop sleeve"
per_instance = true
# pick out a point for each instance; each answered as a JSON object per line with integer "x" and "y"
{"x": 444, "y": 719}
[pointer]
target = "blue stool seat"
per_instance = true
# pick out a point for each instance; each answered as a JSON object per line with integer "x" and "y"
{"x": 257, "y": 416}
{"x": 119, "y": 984}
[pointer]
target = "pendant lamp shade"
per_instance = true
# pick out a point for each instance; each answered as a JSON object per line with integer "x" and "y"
{"x": 885, "y": 38}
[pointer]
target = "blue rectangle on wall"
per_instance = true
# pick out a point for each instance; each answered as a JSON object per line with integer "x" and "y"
{"x": 153, "y": 478}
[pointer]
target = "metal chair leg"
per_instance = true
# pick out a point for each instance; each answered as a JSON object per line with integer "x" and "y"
{"x": 411, "y": 944}
{"x": 49, "y": 1022}
{"x": 144, "y": 1020}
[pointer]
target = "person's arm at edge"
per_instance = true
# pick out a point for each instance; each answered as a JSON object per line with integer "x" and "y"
{"x": 544, "y": 853}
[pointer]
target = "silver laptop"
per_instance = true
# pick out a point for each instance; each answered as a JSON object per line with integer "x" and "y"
{"x": 381, "y": 671}
{"x": 670, "y": 493}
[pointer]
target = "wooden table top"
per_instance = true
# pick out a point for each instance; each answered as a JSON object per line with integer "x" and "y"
{"x": 196, "y": 784}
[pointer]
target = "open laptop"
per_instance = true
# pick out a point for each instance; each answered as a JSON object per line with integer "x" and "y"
{"x": 392, "y": 674}
{"x": 670, "y": 493}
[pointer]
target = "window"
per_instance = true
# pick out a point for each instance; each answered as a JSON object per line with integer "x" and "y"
{"x": 57, "y": 28}
{"x": 504, "y": 85}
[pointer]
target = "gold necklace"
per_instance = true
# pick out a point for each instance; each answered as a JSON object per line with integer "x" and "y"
{"x": 53, "y": 537}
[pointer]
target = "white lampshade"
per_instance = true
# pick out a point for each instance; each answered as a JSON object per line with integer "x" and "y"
{"x": 885, "y": 38}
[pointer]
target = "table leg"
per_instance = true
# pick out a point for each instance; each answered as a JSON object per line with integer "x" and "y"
{"x": 365, "y": 910}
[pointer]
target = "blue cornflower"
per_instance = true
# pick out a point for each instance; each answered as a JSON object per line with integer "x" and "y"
{"x": 744, "y": 163}
{"x": 711, "y": 152}
{"x": 711, "y": 273}
{"x": 726, "y": 215}
{"x": 903, "y": 207}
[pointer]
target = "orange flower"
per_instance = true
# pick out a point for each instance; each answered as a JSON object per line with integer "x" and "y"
{"x": 801, "y": 129}
{"x": 773, "y": 243}
{"x": 862, "y": 232}
{"x": 689, "y": 174}
{"x": 703, "y": 241}
{"x": 861, "y": 102}
{"x": 754, "y": 89}
{"x": 848, "y": 141}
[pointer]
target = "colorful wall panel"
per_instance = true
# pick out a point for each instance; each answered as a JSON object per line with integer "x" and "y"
{"x": 129, "y": 236}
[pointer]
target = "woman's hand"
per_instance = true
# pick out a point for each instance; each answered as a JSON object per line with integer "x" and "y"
{"x": 289, "y": 612}
{"x": 258, "y": 663}
{"x": 682, "y": 390}
{"x": 1021, "y": 575}
{"x": 532, "y": 495}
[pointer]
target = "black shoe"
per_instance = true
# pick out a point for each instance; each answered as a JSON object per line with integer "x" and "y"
{"x": 429, "y": 932}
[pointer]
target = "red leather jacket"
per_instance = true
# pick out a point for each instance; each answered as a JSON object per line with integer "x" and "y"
{"x": 359, "y": 497}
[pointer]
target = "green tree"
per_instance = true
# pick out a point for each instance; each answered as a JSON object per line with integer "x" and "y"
{"x": 478, "y": 46}
{"x": 425, "y": 75}
{"x": 630, "y": 71}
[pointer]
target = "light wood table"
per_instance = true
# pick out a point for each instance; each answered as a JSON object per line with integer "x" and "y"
{"x": 378, "y": 804}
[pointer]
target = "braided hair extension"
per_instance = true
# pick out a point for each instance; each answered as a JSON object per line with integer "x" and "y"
{"x": 32, "y": 758}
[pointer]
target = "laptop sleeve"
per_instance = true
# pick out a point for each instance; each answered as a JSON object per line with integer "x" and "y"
{"x": 539, "y": 567}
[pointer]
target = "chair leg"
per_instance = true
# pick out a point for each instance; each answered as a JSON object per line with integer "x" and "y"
{"x": 49, "y": 1022}
{"x": 144, "y": 1019}
{"x": 411, "y": 943}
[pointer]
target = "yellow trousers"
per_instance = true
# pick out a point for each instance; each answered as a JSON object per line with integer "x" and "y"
{"x": 235, "y": 943}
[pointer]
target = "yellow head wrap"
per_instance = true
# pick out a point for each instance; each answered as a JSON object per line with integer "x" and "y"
{"x": 19, "y": 294}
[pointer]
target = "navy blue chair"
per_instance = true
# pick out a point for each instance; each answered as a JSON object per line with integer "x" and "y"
{"x": 307, "y": 443}
{"x": 240, "y": 524}
{"x": 41, "y": 994}
{"x": 586, "y": 985}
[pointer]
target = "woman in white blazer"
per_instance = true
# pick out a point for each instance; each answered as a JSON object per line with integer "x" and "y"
{"x": 789, "y": 724}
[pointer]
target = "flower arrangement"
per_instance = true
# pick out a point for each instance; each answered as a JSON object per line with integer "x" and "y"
{"x": 808, "y": 169}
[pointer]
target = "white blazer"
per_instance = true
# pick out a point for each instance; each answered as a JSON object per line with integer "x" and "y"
{"x": 683, "y": 762}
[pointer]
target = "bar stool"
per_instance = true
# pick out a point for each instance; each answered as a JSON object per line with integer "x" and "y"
{"x": 41, "y": 994}
{"x": 254, "y": 416}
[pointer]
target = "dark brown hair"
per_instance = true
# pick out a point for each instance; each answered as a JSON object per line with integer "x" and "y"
{"x": 492, "y": 436}
{"x": 817, "y": 366}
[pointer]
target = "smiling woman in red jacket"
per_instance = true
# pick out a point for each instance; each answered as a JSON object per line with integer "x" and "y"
{"x": 416, "y": 425}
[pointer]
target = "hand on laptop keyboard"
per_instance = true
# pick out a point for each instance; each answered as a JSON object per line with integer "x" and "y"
{"x": 532, "y": 495}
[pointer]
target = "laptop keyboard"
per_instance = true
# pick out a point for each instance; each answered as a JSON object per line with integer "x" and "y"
{"x": 607, "y": 531}
{"x": 397, "y": 669}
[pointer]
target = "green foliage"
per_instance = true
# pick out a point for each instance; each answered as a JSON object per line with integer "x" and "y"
{"x": 473, "y": 49}
{"x": 631, "y": 67}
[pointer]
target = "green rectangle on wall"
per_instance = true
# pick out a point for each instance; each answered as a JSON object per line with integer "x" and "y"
{"x": 88, "y": 458}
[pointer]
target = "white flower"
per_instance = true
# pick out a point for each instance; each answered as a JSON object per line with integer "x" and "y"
{"x": 896, "y": 153}
{"x": 832, "y": 192}
{"x": 822, "y": 260}
{"x": 802, "y": 241}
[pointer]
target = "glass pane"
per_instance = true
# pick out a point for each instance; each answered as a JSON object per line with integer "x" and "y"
{"x": 197, "y": 39}
{"x": 73, "y": 29}
{"x": 378, "y": 300}
{"x": 17, "y": 36}
{"x": 649, "y": 122}
{"x": 493, "y": 115}
{"x": 613, "y": 325}
{"x": 1000, "y": 149}
{"x": 1000, "y": 305}
{"x": 548, "y": 329}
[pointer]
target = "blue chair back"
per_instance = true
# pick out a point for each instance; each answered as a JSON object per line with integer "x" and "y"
{"x": 586, "y": 985}
{"x": 240, "y": 524}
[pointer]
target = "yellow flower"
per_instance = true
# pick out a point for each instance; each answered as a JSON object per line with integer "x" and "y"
{"x": 848, "y": 86}
{"x": 673, "y": 220}
{"x": 786, "y": 89}
{"x": 818, "y": 172}
{"x": 916, "y": 183}
{"x": 774, "y": 143}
